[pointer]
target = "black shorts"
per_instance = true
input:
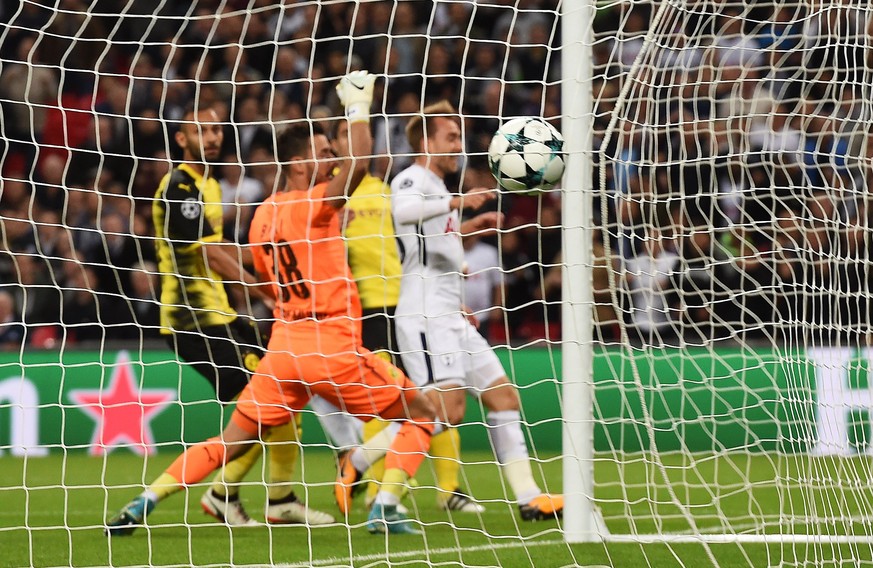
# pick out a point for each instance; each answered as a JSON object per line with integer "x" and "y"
{"x": 226, "y": 355}
{"x": 377, "y": 328}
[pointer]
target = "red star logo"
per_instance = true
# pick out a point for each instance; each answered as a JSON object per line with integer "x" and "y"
{"x": 122, "y": 411}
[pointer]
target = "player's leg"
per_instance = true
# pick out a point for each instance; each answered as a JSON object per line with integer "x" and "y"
{"x": 192, "y": 466}
{"x": 373, "y": 387}
{"x": 450, "y": 400}
{"x": 378, "y": 335}
{"x": 226, "y": 356}
{"x": 345, "y": 433}
{"x": 408, "y": 449}
{"x": 433, "y": 354}
{"x": 510, "y": 448}
{"x": 277, "y": 374}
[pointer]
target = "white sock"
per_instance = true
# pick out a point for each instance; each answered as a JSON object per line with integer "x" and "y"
{"x": 510, "y": 448}
{"x": 386, "y": 498}
{"x": 342, "y": 429}
{"x": 374, "y": 448}
{"x": 150, "y": 495}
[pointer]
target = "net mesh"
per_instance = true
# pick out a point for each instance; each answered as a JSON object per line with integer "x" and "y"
{"x": 730, "y": 271}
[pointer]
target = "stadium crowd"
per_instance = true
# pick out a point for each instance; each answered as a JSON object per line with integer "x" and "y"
{"x": 734, "y": 170}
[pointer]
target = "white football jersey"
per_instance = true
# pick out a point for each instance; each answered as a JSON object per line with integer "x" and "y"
{"x": 429, "y": 238}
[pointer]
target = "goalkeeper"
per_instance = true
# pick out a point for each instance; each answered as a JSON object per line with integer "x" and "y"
{"x": 375, "y": 264}
{"x": 202, "y": 328}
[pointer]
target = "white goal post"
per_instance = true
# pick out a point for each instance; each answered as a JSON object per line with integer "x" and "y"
{"x": 582, "y": 521}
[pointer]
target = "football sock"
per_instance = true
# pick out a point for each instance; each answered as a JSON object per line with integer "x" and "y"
{"x": 284, "y": 451}
{"x": 507, "y": 439}
{"x": 162, "y": 487}
{"x": 228, "y": 478}
{"x": 376, "y": 447}
{"x": 392, "y": 487}
{"x": 445, "y": 449}
{"x": 343, "y": 430}
{"x": 409, "y": 447}
{"x": 377, "y": 468}
{"x": 403, "y": 459}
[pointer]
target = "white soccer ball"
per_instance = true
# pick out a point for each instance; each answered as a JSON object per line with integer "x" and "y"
{"x": 526, "y": 155}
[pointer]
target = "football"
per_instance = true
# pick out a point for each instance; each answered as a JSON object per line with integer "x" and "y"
{"x": 526, "y": 155}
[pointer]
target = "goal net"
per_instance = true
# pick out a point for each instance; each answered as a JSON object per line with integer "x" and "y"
{"x": 686, "y": 317}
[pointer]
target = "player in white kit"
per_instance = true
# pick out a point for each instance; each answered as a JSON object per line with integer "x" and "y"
{"x": 442, "y": 350}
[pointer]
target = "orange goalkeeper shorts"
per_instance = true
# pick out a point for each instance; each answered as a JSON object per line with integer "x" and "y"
{"x": 318, "y": 358}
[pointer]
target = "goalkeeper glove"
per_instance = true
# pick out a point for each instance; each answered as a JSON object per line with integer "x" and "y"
{"x": 355, "y": 92}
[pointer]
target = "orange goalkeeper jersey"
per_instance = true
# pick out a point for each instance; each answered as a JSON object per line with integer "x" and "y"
{"x": 297, "y": 244}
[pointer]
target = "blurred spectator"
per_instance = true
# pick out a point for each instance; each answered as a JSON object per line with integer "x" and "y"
{"x": 250, "y": 127}
{"x": 235, "y": 77}
{"x": 289, "y": 74}
{"x": 484, "y": 66}
{"x": 240, "y": 194}
{"x": 11, "y": 328}
{"x": 144, "y": 302}
{"x": 482, "y": 281}
{"x": 733, "y": 46}
{"x": 27, "y": 86}
{"x": 389, "y": 140}
{"x": 114, "y": 259}
{"x": 705, "y": 280}
{"x": 50, "y": 191}
{"x": 604, "y": 271}
{"x": 442, "y": 80}
{"x": 407, "y": 38}
{"x": 40, "y": 264}
{"x": 649, "y": 276}
{"x": 85, "y": 311}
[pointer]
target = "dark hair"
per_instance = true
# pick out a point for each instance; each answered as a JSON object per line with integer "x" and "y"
{"x": 296, "y": 141}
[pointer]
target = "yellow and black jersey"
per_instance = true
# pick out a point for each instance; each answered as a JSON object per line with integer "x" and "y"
{"x": 370, "y": 244}
{"x": 187, "y": 213}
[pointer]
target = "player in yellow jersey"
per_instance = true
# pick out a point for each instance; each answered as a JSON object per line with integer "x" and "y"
{"x": 195, "y": 262}
{"x": 374, "y": 259}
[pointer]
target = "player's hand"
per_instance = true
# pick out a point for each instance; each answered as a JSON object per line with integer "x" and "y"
{"x": 474, "y": 199}
{"x": 355, "y": 92}
{"x": 470, "y": 316}
{"x": 483, "y": 224}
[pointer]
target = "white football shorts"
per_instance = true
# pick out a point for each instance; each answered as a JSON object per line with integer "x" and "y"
{"x": 446, "y": 350}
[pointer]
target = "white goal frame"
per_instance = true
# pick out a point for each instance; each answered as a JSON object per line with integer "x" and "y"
{"x": 582, "y": 522}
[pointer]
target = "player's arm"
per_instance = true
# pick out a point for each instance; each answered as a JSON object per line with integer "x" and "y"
{"x": 411, "y": 206}
{"x": 482, "y": 224}
{"x": 473, "y": 199}
{"x": 221, "y": 259}
{"x": 355, "y": 91}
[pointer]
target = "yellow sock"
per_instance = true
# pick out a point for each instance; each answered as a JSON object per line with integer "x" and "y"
{"x": 445, "y": 450}
{"x": 394, "y": 482}
{"x": 284, "y": 451}
{"x": 229, "y": 478}
{"x": 377, "y": 470}
{"x": 164, "y": 486}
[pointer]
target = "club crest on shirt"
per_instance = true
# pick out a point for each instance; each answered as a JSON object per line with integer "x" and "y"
{"x": 406, "y": 184}
{"x": 251, "y": 361}
{"x": 451, "y": 225}
{"x": 190, "y": 208}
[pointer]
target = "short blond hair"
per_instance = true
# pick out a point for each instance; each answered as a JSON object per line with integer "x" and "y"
{"x": 422, "y": 124}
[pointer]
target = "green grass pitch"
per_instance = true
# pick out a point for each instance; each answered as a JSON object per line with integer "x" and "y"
{"x": 58, "y": 519}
